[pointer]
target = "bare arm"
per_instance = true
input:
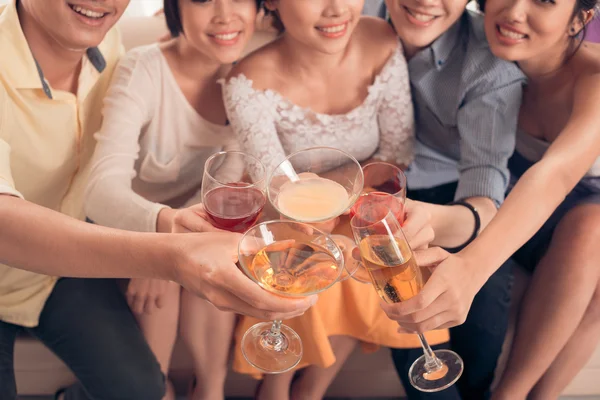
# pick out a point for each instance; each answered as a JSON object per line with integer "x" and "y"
{"x": 47, "y": 242}
{"x": 544, "y": 186}
{"x": 446, "y": 298}
{"x": 44, "y": 241}
{"x": 454, "y": 225}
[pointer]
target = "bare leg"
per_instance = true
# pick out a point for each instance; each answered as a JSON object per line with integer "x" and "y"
{"x": 160, "y": 330}
{"x": 275, "y": 387}
{"x": 559, "y": 294}
{"x": 314, "y": 381}
{"x": 573, "y": 356}
{"x": 207, "y": 333}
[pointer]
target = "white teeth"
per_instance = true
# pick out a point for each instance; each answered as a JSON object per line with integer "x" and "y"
{"x": 228, "y": 36}
{"x": 333, "y": 29}
{"x": 87, "y": 13}
{"x": 511, "y": 34}
{"x": 421, "y": 17}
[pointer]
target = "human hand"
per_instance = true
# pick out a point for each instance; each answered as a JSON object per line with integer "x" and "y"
{"x": 146, "y": 295}
{"x": 417, "y": 225}
{"x": 445, "y": 299}
{"x": 205, "y": 265}
{"x": 192, "y": 219}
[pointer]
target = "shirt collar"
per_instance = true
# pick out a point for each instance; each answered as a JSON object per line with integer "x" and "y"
{"x": 442, "y": 49}
{"x": 23, "y": 71}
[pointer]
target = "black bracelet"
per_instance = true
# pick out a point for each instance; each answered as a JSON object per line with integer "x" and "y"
{"x": 477, "y": 225}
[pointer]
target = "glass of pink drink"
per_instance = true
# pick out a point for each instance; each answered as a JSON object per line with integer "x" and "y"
{"x": 315, "y": 186}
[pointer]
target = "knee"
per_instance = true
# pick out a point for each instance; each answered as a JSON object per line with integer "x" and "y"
{"x": 593, "y": 310}
{"x": 580, "y": 227}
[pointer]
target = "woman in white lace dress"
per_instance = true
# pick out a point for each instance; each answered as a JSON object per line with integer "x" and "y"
{"x": 333, "y": 78}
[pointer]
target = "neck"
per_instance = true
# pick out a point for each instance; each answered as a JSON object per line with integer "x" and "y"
{"x": 59, "y": 64}
{"x": 194, "y": 63}
{"x": 309, "y": 61}
{"x": 547, "y": 67}
{"x": 410, "y": 51}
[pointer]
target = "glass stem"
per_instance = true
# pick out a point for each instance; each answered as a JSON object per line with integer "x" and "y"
{"x": 276, "y": 328}
{"x": 432, "y": 363}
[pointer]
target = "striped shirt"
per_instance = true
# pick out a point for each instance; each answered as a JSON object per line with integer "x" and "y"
{"x": 466, "y": 109}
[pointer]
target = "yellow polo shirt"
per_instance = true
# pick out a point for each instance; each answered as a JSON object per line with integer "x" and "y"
{"x": 46, "y": 143}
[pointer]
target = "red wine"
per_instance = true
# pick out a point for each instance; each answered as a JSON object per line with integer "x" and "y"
{"x": 235, "y": 207}
{"x": 365, "y": 204}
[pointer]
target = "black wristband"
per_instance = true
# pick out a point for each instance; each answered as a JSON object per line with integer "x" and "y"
{"x": 477, "y": 225}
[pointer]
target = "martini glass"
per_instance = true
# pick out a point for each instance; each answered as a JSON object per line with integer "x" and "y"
{"x": 290, "y": 259}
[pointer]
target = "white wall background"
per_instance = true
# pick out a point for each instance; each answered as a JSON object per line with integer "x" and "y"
{"x": 137, "y": 8}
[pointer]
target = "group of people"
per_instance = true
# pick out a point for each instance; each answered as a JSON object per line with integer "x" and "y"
{"x": 101, "y": 158}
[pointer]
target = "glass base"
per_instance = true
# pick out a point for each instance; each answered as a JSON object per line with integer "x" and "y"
{"x": 271, "y": 354}
{"x": 443, "y": 378}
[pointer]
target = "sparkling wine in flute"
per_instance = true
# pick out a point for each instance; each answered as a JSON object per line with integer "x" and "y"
{"x": 312, "y": 199}
{"x": 234, "y": 207}
{"x": 395, "y": 277}
{"x": 291, "y": 268}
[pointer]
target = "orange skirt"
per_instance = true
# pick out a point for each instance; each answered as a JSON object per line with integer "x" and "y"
{"x": 348, "y": 308}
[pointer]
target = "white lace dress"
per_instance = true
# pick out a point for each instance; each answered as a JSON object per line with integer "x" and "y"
{"x": 269, "y": 126}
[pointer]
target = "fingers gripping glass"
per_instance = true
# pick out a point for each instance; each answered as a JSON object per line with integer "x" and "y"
{"x": 289, "y": 259}
{"x": 389, "y": 261}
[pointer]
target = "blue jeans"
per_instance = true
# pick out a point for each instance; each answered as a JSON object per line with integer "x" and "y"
{"x": 88, "y": 324}
{"x": 479, "y": 340}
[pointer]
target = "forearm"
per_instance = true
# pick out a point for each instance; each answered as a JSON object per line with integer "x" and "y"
{"x": 454, "y": 225}
{"x": 164, "y": 221}
{"x": 44, "y": 241}
{"x": 535, "y": 197}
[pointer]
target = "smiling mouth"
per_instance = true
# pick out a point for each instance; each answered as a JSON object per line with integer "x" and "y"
{"x": 226, "y": 36}
{"x": 421, "y": 17}
{"x": 87, "y": 13}
{"x": 510, "y": 34}
{"x": 333, "y": 29}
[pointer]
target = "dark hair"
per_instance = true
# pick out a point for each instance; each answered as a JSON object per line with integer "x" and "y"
{"x": 173, "y": 15}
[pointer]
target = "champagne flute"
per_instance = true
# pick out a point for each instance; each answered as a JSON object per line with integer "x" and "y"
{"x": 232, "y": 200}
{"x": 384, "y": 184}
{"x": 289, "y": 259}
{"x": 316, "y": 185}
{"x": 396, "y": 276}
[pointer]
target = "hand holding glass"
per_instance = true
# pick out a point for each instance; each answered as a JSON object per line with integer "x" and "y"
{"x": 396, "y": 276}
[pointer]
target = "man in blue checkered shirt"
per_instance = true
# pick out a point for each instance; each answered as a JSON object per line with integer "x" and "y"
{"x": 466, "y": 109}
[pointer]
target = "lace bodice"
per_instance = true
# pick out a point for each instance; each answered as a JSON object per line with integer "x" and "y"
{"x": 269, "y": 126}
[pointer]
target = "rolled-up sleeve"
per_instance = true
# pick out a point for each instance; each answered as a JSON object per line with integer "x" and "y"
{"x": 487, "y": 124}
{"x": 7, "y": 184}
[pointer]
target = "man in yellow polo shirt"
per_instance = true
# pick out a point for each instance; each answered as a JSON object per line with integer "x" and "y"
{"x": 57, "y": 57}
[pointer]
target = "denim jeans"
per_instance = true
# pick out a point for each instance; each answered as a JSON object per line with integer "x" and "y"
{"x": 479, "y": 340}
{"x": 88, "y": 324}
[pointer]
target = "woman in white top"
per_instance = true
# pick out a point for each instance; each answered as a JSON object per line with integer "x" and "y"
{"x": 336, "y": 79}
{"x": 163, "y": 117}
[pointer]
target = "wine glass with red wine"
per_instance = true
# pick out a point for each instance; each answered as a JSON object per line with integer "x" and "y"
{"x": 233, "y": 190}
